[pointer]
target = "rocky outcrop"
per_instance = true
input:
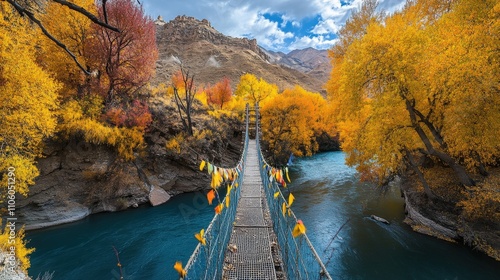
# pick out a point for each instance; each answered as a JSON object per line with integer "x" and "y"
{"x": 187, "y": 30}
{"x": 425, "y": 225}
{"x": 78, "y": 179}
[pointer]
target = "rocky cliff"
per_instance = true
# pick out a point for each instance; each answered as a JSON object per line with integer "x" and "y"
{"x": 77, "y": 178}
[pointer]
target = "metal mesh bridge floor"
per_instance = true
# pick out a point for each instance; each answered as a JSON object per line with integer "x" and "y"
{"x": 249, "y": 256}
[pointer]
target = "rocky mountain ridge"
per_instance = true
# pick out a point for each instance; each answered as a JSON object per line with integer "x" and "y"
{"x": 309, "y": 60}
{"x": 212, "y": 55}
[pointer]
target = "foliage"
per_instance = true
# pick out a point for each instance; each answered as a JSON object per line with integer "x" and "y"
{"x": 137, "y": 115}
{"x": 33, "y": 11}
{"x": 21, "y": 251}
{"x": 125, "y": 60}
{"x": 254, "y": 90}
{"x": 27, "y": 106}
{"x": 480, "y": 214}
{"x": 291, "y": 121}
{"x": 219, "y": 94}
{"x": 482, "y": 203}
{"x": 174, "y": 144}
{"x": 74, "y": 30}
{"x": 126, "y": 141}
{"x": 418, "y": 82}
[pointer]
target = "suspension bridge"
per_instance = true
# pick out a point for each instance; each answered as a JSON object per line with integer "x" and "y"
{"x": 253, "y": 237}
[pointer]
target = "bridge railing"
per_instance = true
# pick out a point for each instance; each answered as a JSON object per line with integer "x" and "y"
{"x": 300, "y": 259}
{"x": 207, "y": 261}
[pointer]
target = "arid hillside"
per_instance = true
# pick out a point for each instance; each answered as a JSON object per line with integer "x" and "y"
{"x": 211, "y": 55}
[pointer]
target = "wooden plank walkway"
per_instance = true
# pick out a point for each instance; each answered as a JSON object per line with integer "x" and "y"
{"x": 249, "y": 254}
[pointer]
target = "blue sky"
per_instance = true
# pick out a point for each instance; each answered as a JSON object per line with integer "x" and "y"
{"x": 278, "y": 25}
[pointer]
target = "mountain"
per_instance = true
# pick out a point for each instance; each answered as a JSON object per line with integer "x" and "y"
{"x": 211, "y": 55}
{"x": 310, "y": 61}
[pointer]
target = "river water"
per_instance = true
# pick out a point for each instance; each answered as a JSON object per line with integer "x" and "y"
{"x": 328, "y": 194}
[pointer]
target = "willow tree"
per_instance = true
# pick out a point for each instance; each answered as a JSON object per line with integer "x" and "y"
{"x": 400, "y": 89}
{"x": 291, "y": 121}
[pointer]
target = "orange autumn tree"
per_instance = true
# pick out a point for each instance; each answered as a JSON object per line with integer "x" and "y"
{"x": 184, "y": 91}
{"x": 291, "y": 121}
{"x": 220, "y": 93}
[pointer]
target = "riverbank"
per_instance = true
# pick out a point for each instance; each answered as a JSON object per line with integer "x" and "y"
{"x": 469, "y": 216}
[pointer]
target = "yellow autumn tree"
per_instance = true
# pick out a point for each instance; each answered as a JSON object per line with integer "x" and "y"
{"x": 74, "y": 30}
{"x": 14, "y": 244}
{"x": 254, "y": 90}
{"x": 127, "y": 142}
{"x": 412, "y": 85}
{"x": 27, "y": 105}
{"x": 463, "y": 76}
{"x": 291, "y": 121}
{"x": 27, "y": 101}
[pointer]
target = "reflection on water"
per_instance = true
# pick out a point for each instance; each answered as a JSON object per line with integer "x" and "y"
{"x": 327, "y": 193}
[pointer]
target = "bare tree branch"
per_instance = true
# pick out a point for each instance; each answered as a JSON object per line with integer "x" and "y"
{"x": 89, "y": 15}
{"x": 23, "y": 11}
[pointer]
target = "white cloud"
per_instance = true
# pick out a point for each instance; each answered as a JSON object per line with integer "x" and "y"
{"x": 318, "y": 42}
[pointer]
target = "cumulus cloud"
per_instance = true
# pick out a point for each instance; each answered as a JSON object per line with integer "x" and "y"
{"x": 302, "y": 23}
{"x": 317, "y": 42}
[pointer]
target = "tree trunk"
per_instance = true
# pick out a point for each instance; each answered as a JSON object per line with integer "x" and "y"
{"x": 459, "y": 170}
{"x": 427, "y": 189}
{"x": 189, "y": 122}
{"x": 179, "y": 104}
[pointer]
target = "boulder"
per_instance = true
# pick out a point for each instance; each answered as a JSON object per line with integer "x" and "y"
{"x": 158, "y": 196}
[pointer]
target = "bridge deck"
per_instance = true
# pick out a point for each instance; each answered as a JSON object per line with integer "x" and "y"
{"x": 249, "y": 254}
